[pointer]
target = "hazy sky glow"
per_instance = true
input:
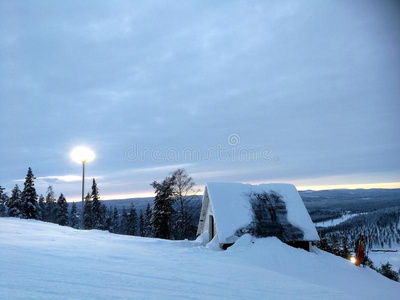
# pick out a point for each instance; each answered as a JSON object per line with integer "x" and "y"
{"x": 306, "y": 92}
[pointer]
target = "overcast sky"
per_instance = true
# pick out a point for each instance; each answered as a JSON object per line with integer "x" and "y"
{"x": 306, "y": 92}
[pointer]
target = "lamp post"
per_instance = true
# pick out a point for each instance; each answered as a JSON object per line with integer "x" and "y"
{"x": 82, "y": 155}
{"x": 83, "y": 190}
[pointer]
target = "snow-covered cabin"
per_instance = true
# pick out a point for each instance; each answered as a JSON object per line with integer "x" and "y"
{"x": 227, "y": 212}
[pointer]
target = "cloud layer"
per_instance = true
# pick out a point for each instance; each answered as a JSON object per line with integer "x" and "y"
{"x": 315, "y": 82}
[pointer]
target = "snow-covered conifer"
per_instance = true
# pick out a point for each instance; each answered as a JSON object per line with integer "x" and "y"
{"x": 163, "y": 210}
{"x": 41, "y": 208}
{"x": 132, "y": 221}
{"x": 3, "y": 202}
{"x": 98, "y": 218}
{"x": 50, "y": 210}
{"x": 108, "y": 218}
{"x": 123, "y": 225}
{"x": 15, "y": 202}
{"x": 29, "y": 197}
{"x": 62, "y": 211}
{"x": 87, "y": 213}
{"x": 115, "y": 221}
{"x": 141, "y": 224}
{"x": 148, "y": 229}
{"x": 387, "y": 271}
{"x": 73, "y": 217}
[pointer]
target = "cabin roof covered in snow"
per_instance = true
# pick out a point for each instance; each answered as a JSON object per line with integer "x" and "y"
{"x": 232, "y": 209}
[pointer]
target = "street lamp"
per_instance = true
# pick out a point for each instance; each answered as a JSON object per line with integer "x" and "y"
{"x": 82, "y": 155}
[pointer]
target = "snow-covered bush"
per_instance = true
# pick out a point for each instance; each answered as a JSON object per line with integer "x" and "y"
{"x": 387, "y": 271}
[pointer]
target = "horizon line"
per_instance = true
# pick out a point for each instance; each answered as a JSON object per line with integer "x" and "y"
{"x": 300, "y": 188}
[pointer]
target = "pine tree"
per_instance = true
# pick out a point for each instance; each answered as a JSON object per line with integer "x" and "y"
{"x": 163, "y": 210}
{"x": 41, "y": 208}
{"x": 345, "y": 248}
{"x": 29, "y": 196}
{"x": 98, "y": 219}
{"x": 73, "y": 217}
{"x": 323, "y": 244}
{"x": 108, "y": 218}
{"x": 123, "y": 227}
{"x": 49, "y": 214}
{"x": 62, "y": 211}
{"x": 132, "y": 221}
{"x": 15, "y": 203}
{"x": 141, "y": 224}
{"x": 387, "y": 271}
{"x": 148, "y": 229}
{"x": 335, "y": 245}
{"x": 3, "y": 202}
{"x": 103, "y": 216}
{"x": 115, "y": 221}
{"x": 87, "y": 213}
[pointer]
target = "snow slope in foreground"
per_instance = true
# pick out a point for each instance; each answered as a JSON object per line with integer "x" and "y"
{"x": 46, "y": 261}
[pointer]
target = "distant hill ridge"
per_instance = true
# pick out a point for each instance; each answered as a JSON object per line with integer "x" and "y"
{"x": 341, "y": 199}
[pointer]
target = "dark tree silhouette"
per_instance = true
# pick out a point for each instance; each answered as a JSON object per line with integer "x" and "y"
{"x": 29, "y": 197}
{"x": 163, "y": 210}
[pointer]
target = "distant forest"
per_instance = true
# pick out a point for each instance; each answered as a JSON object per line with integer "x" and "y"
{"x": 380, "y": 228}
{"x": 330, "y": 204}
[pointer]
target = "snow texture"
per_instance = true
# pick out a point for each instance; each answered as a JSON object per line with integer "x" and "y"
{"x": 46, "y": 261}
{"x": 232, "y": 209}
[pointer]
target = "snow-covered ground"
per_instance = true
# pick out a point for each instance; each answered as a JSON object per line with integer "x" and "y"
{"x": 46, "y": 261}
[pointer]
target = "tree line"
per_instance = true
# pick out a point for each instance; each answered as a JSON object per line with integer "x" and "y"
{"x": 171, "y": 216}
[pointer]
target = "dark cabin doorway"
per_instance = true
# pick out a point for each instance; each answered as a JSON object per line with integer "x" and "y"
{"x": 211, "y": 232}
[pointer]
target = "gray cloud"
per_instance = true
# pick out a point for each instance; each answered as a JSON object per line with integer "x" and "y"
{"x": 317, "y": 82}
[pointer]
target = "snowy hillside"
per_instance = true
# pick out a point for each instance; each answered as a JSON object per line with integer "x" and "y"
{"x": 46, "y": 261}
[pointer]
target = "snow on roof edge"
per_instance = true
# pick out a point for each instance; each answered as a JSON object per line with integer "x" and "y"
{"x": 232, "y": 209}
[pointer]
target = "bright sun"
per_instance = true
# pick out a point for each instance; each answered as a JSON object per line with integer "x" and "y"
{"x": 82, "y": 154}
